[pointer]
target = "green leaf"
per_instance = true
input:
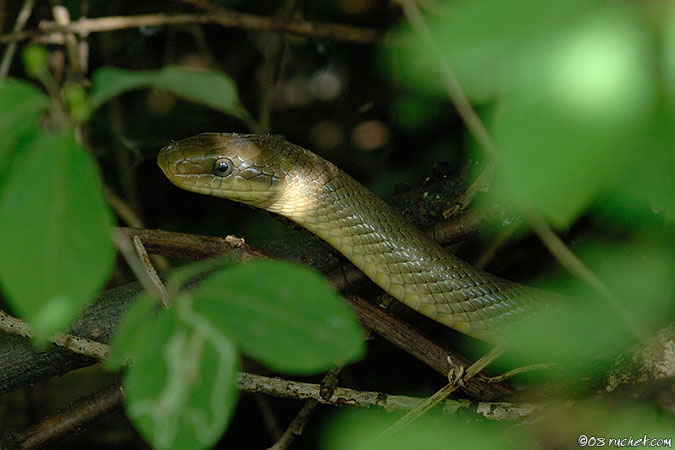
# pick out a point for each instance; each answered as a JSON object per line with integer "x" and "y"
{"x": 480, "y": 40}
{"x": 412, "y": 113}
{"x": 213, "y": 89}
{"x": 132, "y": 332}
{"x": 284, "y": 315}
{"x": 571, "y": 122}
{"x": 21, "y": 105}
{"x": 54, "y": 233}
{"x": 35, "y": 60}
{"x": 669, "y": 48}
{"x": 651, "y": 175}
{"x": 365, "y": 430}
{"x": 587, "y": 330}
{"x": 181, "y": 389}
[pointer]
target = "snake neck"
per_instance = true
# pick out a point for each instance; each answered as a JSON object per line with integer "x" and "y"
{"x": 397, "y": 257}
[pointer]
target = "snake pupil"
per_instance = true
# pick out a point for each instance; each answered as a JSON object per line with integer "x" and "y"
{"x": 222, "y": 167}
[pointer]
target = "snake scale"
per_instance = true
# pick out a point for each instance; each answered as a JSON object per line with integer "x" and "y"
{"x": 270, "y": 173}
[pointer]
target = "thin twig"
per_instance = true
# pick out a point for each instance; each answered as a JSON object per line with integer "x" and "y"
{"x": 272, "y": 69}
{"x": 76, "y": 344}
{"x": 126, "y": 172}
{"x": 296, "y": 426}
{"x": 454, "y": 90}
{"x": 22, "y": 18}
{"x": 126, "y": 249}
{"x": 452, "y": 86}
{"x": 83, "y": 47}
{"x": 150, "y": 270}
{"x": 190, "y": 246}
{"x": 68, "y": 421}
{"x": 472, "y": 221}
{"x": 384, "y": 324}
{"x": 122, "y": 209}
{"x": 278, "y": 387}
{"x": 574, "y": 265}
{"x": 424, "y": 349}
{"x": 489, "y": 253}
{"x": 270, "y": 420}
{"x": 524, "y": 369}
{"x": 327, "y": 387}
{"x": 62, "y": 17}
{"x": 245, "y": 21}
{"x": 101, "y": 403}
{"x": 480, "y": 184}
{"x": 125, "y": 211}
{"x": 446, "y": 390}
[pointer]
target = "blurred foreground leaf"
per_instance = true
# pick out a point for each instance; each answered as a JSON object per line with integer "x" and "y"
{"x": 360, "y": 430}
{"x": 21, "y": 105}
{"x": 588, "y": 331}
{"x": 54, "y": 233}
{"x": 481, "y": 41}
{"x": 592, "y": 424}
{"x": 132, "y": 332}
{"x": 572, "y": 121}
{"x": 181, "y": 389}
{"x": 181, "y": 383}
{"x": 669, "y": 48}
{"x": 577, "y": 87}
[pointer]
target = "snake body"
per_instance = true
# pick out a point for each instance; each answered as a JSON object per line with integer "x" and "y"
{"x": 270, "y": 173}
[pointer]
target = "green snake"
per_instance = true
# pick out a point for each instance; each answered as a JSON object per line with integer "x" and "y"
{"x": 270, "y": 173}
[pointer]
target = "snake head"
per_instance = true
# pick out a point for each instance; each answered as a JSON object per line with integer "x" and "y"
{"x": 246, "y": 168}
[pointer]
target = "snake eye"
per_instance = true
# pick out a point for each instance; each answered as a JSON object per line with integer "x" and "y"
{"x": 222, "y": 167}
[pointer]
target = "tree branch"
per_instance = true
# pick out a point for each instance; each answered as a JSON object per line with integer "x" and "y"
{"x": 68, "y": 420}
{"x": 95, "y": 406}
{"x": 75, "y": 344}
{"x": 278, "y": 387}
{"x": 21, "y": 364}
{"x": 400, "y": 334}
{"x": 229, "y": 19}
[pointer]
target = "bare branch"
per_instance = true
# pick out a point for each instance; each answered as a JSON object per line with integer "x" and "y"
{"x": 191, "y": 246}
{"x": 327, "y": 388}
{"x": 24, "y": 14}
{"x": 95, "y": 406}
{"x": 143, "y": 256}
{"x": 244, "y": 21}
{"x": 452, "y": 86}
{"x": 76, "y": 344}
{"x": 67, "y": 421}
{"x": 455, "y": 383}
{"x": 384, "y": 324}
{"x": 572, "y": 263}
{"x": 278, "y": 387}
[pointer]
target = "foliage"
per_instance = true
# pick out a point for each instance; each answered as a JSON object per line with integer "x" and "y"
{"x": 55, "y": 228}
{"x": 212, "y": 89}
{"x": 579, "y": 97}
{"x": 364, "y": 431}
{"x": 292, "y": 321}
{"x": 583, "y": 126}
{"x": 57, "y": 253}
{"x": 181, "y": 388}
{"x": 576, "y": 103}
{"x": 275, "y": 331}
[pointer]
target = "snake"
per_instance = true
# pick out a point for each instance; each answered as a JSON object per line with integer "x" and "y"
{"x": 270, "y": 173}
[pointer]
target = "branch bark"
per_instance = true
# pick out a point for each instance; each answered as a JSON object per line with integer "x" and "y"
{"x": 229, "y": 19}
{"x": 366, "y": 399}
{"x": 67, "y": 421}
